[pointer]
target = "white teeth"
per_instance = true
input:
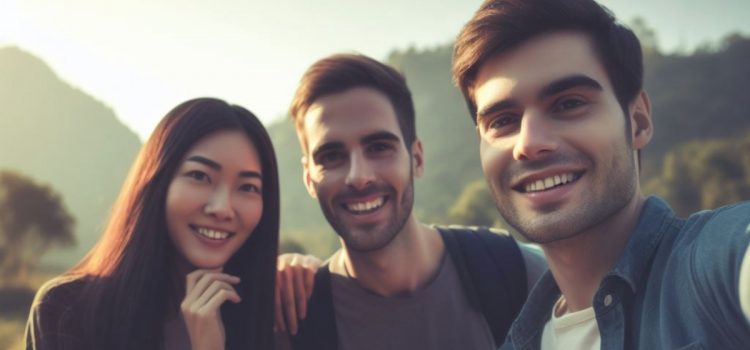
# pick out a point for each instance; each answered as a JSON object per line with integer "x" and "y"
{"x": 365, "y": 206}
{"x": 549, "y": 182}
{"x": 212, "y": 234}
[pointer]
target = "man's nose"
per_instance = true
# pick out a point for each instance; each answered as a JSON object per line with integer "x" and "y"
{"x": 361, "y": 173}
{"x": 536, "y": 138}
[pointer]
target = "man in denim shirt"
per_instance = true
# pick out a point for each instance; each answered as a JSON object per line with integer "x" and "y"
{"x": 555, "y": 88}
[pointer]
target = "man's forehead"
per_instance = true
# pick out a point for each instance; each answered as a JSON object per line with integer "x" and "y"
{"x": 538, "y": 62}
{"x": 349, "y": 115}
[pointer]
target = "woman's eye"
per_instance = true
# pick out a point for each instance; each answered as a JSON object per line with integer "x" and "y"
{"x": 198, "y": 176}
{"x": 249, "y": 188}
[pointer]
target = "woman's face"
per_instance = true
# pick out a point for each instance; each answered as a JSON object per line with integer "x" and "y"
{"x": 214, "y": 200}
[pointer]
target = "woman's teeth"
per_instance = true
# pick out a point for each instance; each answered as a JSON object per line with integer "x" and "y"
{"x": 212, "y": 234}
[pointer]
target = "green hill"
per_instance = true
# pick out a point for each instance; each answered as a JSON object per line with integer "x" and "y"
{"x": 59, "y": 135}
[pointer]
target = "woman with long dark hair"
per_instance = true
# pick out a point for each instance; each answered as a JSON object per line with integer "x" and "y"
{"x": 188, "y": 256}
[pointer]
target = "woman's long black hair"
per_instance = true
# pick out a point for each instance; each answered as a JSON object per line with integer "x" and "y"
{"x": 133, "y": 285}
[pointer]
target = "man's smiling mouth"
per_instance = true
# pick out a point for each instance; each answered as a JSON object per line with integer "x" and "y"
{"x": 548, "y": 182}
{"x": 365, "y": 207}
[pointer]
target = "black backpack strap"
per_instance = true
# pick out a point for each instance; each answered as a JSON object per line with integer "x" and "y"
{"x": 318, "y": 329}
{"x": 493, "y": 273}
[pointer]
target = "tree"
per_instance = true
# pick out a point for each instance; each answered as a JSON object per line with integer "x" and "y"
{"x": 475, "y": 206}
{"x": 704, "y": 174}
{"x": 33, "y": 219}
{"x": 646, "y": 35}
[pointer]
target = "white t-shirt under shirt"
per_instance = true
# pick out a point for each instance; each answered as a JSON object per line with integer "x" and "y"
{"x": 571, "y": 330}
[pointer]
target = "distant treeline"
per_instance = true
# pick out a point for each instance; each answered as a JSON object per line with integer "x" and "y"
{"x": 699, "y": 106}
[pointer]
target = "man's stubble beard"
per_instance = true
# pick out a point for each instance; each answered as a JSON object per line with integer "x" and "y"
{"x": 363, "y": 240}
{"x": 614, "y": 190}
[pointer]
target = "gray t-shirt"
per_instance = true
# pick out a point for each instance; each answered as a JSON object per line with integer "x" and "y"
{"x": 438, "y": 316}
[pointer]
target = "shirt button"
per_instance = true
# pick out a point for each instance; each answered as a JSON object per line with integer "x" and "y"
{"x": 608, "y": 300}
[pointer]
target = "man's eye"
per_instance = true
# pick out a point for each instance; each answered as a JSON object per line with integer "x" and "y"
{"x": 379, "y": 147}
{"x": 502, "y": 122}
{"x": 329, "y": 158}
{"x": 198, "y": 176}
{"x": 568, "y": 104}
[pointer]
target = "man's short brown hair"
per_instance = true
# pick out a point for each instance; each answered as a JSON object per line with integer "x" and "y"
{"x": 338, "y": 73}
{"x": 501, "y": 25}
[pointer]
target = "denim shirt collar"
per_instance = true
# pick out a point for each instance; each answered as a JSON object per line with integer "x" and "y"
{"x": 656, "y": 215}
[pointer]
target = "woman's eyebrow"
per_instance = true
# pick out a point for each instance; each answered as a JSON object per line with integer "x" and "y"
{"x": 216, "y": 166}
{"x": 205, "y": 161}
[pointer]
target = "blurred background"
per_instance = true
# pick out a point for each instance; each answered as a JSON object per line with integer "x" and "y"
{"x": 83, "y": 82}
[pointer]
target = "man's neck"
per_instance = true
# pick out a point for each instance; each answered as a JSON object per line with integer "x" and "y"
{"x": 579, "y": 263}
{"x": 402, "y": 267}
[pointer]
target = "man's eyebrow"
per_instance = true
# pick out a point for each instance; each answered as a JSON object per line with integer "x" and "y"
{"x": 380, "y": 136}
{"x": 326, "y": 147}
{"x": 566, "y": 83}
{"x": 205, "y": 161}
{"x": 496, "y": 107}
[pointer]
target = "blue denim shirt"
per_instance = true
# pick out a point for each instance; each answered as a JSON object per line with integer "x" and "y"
{"x": 674, "y": 287}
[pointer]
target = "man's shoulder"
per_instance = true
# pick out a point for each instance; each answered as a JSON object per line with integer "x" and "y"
{"x": 470, "y": 229}
{"x": 725, "y": 226}
{"x": 734, "y": 215}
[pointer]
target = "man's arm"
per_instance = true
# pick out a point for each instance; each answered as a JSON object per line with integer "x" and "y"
{"x": 295, "y": 275}
{"x": 744, "y": 287}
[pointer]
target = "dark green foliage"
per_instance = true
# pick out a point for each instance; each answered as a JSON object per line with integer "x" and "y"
{"x": 475, "y": 206}
{"x": 16, "y": 301}
{"x": 704, "y": 95}
{"x": 289, "y": 245}
{"x": 704, "y": 174}
{"x": 33, "y": 219}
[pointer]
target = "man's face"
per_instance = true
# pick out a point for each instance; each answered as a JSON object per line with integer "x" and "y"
{"x": 554, "y": 146}
{"x": 359, "y": 168}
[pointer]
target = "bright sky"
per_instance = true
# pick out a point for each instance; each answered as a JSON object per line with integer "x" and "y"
{"x": 142, "y": 57}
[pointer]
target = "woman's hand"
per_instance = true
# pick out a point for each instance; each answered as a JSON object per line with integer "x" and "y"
{"x": 205, "y": 292}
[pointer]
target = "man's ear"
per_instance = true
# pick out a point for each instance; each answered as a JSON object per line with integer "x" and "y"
{"x": 641, "y": 125}
{"x": 417, "y": 156}
{"x": 306, "y": 177}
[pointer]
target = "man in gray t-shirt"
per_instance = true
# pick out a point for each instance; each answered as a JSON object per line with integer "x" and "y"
{"x": 395, "y": 283}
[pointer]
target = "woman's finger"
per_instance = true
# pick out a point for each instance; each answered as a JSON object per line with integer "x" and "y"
{"x": 211, "y": 290}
